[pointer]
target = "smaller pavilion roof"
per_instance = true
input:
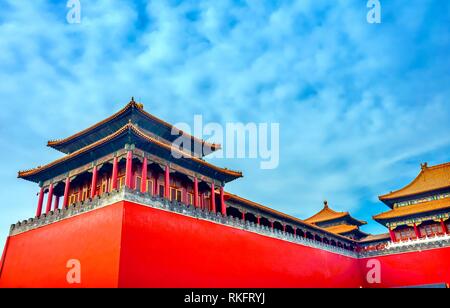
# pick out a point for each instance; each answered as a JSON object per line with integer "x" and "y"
{"x": 328, "y": 214}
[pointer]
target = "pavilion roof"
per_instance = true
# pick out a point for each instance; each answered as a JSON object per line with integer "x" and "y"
{"x": 132, "y": 112}
{"x": 419, "y": 208}
{"x": 429, "y": 179}
{"x": 328, "y": 214}
{"x": 129, "y": 129}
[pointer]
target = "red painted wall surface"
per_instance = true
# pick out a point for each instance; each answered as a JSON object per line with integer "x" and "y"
{"x": 411, "y": 269}
{"x": 163, "y": 249}
{"x": 38, "y": 258}
{"x": 130, "y": 245}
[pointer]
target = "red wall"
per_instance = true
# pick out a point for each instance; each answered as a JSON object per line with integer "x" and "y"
{"x": 38, "y": 258}
{"x": 130, "y": 245}
{"x": 411, "y": 269}
{"x": 163, "y": 249}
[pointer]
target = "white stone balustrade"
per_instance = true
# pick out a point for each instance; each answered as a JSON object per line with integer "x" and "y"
{"x": 422, "y": 240}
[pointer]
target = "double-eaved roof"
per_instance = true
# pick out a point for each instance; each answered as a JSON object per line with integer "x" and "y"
{"x": 341, "y": 223}
{"x": 428, "y": 192}
{"x": 134, "y": 113}
{"x": 139, "y": 128}
{"x": 327, "y": 214}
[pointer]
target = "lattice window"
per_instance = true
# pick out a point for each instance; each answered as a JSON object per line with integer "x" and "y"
{"x": 85, "y": 193}
{"x": 138, "y": 183}
{"x": 431, "y": 230}
{"x": 190, "y": 198}
{"x": 104, "y": 186}
{"x": 405, "y": 234}
{"x": 150, "y": 184}
{"x": 120, "y": 182}
{"x": 73, "y": 198}
{"x": 175, "y": 194}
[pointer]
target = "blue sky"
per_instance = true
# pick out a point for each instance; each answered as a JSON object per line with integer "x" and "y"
{"x": 360, "y": 106}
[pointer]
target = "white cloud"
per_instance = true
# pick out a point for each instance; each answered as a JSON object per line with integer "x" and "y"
{"x": 359, "y": 105}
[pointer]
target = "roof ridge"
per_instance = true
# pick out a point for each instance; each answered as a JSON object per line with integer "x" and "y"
{"x": 438, "y": 166}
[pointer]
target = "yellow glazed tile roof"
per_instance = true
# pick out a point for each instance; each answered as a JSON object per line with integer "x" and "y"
{"x": 429, "y": 179}
{"x": 326, "y": 214}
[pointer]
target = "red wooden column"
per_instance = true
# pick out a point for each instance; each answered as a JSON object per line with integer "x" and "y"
{"x": 416, "y": 230}
{"x": 167, "y": 182}
{"x": 196, "y": 193}
{"x": 49, "y": 199}
{"x": 213, "y": 198}
{"x": 444, "y": 227}
{"x": 295, "y": 232}
{"x": 223, "y": 206}
{"x": 40, "y": 202}
{"x": 392, "y": 234}
{"x": 258, "y": 220}
{"x": 114, "y": 174}
{"x": 94, "y": 182}
{"x": 271, "y": 225}
{"x": 66, "y": 193}
{"x": 144, "y": 176}
{"x": 129, "y": 170}
{"x": 243, "y": 216}
{"x": 56, "y": 205}
{"x": 284, "y": 228}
